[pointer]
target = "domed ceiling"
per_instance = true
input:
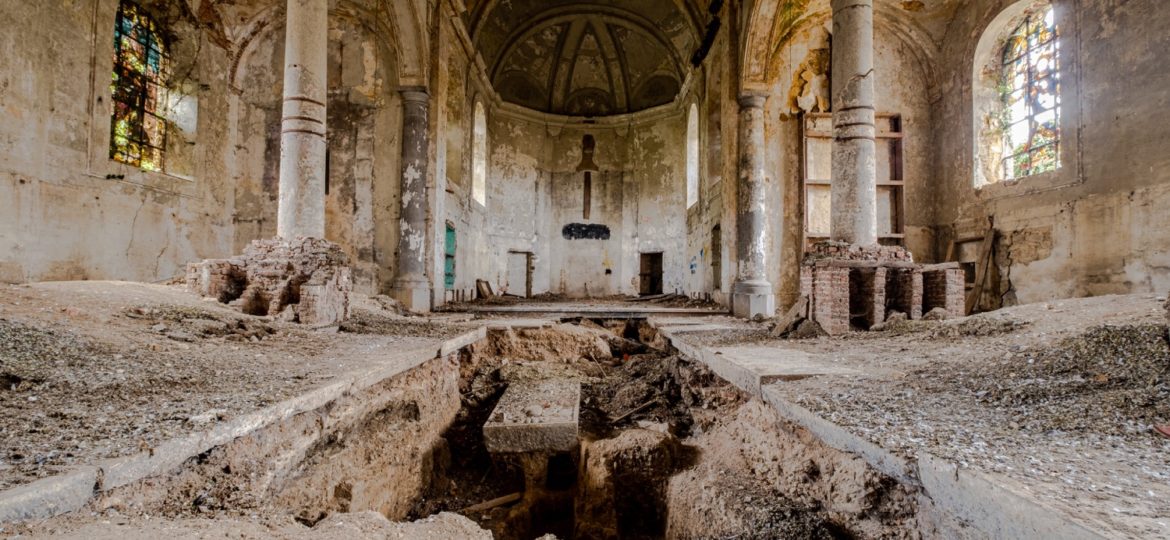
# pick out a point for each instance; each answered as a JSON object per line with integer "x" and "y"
{"x": 594, "y": 58}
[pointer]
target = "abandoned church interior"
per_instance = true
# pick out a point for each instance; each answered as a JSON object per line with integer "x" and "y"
{"x": 585, "y": 269}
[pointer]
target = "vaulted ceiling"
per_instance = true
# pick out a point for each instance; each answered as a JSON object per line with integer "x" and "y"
{"x": 585, "y": 57}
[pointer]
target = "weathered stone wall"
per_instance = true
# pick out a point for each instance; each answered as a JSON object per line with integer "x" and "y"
{"x": 1098, "y": 225}
{"x": 66, "y": 210}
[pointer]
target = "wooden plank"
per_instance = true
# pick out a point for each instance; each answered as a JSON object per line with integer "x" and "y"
{"x": 981, "y": 269}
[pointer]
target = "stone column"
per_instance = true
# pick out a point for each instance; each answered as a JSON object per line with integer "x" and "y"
{"x": 410, "y": 282}
{"x": 854, "y": 190}
{"x": 301, "y": 211}
{"x": 751, "y": 295}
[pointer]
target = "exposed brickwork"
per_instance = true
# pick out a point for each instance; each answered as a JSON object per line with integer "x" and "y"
{"x": 849, "y": 284}
{"x": 846, "y": 252}
{"x": 306, "y": 280}
{"x": 904, "y": 291}
{"x": 944, "y": 288}
{"x": 831, "y": 298}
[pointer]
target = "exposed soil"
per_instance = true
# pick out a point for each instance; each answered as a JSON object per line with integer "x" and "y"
{"x": 97, "y": 370}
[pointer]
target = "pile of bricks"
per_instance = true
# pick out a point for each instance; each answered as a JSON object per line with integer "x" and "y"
{"x": 306, "y": 280}
{"x": 851, "y": 286}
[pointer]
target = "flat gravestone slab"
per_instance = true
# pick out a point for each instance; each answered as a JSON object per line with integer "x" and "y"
{"x": 539, "y": 416}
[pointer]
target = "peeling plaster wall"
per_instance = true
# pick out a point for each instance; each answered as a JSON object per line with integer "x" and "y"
{"x": 67, "y": 211}
{"x": 364, "y": 139}
{"x": 534, "y": 190}
{"x": 1098, "y": 225}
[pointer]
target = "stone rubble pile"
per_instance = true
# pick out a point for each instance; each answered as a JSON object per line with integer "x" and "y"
{"x": 306, "y": 280}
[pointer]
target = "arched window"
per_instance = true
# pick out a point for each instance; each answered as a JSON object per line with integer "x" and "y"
{"x": 693, "y": 156}
{"x": 1030, "y": 91}
{"x": 138, "y": 132}
{"x": 1017, "y": 95}
{"x": 479, "y": 155}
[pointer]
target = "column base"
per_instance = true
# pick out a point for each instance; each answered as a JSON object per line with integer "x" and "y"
{"x": 414, "y": 296}
{"x": 751, "y": 299}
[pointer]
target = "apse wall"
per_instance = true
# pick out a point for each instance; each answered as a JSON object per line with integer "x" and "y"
{"x": 536, "y": 198}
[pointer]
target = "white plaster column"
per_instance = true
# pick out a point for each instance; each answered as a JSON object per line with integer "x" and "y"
{"x": 752, "y": 294}
{"x": 410, "y": 283}
{"x": 854, "y": 189}
{"x": 301, "y": 211}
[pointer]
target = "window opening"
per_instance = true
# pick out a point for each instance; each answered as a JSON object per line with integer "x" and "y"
{"x": 693, "y": 156}
{"x": 1030, "y": 91}
{"x": 479, "y": 155}
{"x": 141, "y": 69}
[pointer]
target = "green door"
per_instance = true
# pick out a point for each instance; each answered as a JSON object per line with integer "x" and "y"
{"x": 449, "y": 260}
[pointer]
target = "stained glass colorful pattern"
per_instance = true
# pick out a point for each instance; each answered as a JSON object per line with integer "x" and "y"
{"x": 1030, "y": 90}
{"x": 138, "y": 131}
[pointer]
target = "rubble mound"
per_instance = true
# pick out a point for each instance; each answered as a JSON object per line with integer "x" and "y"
{"x": 1125, "y": 368}
{"x": 306, "y": 280}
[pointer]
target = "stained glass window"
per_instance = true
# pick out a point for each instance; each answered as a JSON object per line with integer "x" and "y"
{"x": 1030, "y": 89}
{"x": 138, "y": 132}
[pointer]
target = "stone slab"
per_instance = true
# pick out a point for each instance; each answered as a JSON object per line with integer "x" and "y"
{"x": 540, "y": 416}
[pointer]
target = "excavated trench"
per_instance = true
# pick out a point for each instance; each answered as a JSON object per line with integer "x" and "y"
{"x": 665, "y": 449}
{"x": 662, "y": 448}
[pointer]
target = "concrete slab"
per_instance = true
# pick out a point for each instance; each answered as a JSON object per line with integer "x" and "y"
{"x": 504, "y": 324}
{"x": 684, "y": 328}
{"x": 603, "y": 311}
{"x": 539, "y": 416}
{"x": 771, "y": 364}
{"x": 751, "y": 368}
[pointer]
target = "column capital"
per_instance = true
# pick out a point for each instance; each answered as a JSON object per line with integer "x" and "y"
{"x": 838, "y": 5}
{"x": 414, "y": 94}
{"x": 752, "y": 100}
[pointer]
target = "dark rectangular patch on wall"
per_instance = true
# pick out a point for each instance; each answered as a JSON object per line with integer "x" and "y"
{"x": 585, "y": 231}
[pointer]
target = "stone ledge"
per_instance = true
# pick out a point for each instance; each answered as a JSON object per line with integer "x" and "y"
{"x": 992, "y": 505}
{"x": 71, "y": 491}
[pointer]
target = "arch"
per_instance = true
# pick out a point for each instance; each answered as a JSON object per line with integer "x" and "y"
{"x": 269, "y": 20}
{"x": 773, "y": 23}
{"x": 479, "y": 154}
{"x": 987, "y": 98}
{"x": 693, "y": 156}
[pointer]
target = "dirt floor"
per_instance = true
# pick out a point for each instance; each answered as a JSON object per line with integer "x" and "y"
{"x": 94, "y": 370}
{"x": 1058, "y": 398}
